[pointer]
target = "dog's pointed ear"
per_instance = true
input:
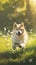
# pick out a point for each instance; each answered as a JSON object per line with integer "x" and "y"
{"x": 22, "y": 24}
{"x": 15, "y": 24}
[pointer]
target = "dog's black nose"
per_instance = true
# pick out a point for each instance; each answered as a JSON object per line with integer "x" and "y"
{"x": 18, "y": 33}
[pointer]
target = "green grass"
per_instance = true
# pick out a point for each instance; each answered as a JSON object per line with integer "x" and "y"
{"x": 25, "y": 56}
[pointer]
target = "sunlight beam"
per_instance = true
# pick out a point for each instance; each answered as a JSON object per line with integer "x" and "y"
{"x": 33, "y": 1}
{"x": 33, "y": 6}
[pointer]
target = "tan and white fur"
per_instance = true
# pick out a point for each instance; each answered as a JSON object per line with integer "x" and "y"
{"x": 19, "y": 35}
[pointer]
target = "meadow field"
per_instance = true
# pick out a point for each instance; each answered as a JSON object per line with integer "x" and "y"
{"x": 8, "y": 56}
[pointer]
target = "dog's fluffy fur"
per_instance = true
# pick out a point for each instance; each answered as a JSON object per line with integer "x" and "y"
{"x": 19, "y": 35}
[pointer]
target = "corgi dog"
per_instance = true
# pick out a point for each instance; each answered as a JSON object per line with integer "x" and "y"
{"x": 19, "y": 35}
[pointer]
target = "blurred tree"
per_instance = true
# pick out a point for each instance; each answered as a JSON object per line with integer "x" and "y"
{"x": 28, "y": 18}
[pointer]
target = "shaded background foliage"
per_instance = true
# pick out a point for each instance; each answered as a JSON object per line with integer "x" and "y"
{"x": 15, "y": 11}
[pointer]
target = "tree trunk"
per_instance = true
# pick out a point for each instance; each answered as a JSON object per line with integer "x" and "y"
{"x": 33, "y": 9}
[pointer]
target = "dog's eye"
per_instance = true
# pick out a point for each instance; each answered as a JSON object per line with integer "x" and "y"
{"x": 16, "y": 29}
{"x": 21, "y": 29}
{"x": 15, "y": 25}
